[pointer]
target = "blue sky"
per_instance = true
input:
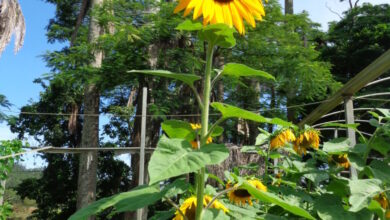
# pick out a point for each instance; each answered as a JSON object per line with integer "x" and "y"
{"x": 18, "y": 71}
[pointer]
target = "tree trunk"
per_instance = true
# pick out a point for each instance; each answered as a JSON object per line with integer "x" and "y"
{"x": 2, "y": 191}
{"x": 86, "y": 190}
{"x": 289, "y": 7}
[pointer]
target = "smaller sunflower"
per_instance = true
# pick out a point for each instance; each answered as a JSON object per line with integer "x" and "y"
{"x": 310, "y": 138}
{"x": 188, "y": 208}
{"x": 195, "y": 126}
{"x": 194, "y": 144}
{"x": 382, "y": 200}
{"x": 242, "y": 196}
{"x": 341, "y": 160}
{"x": 282, "y": 138}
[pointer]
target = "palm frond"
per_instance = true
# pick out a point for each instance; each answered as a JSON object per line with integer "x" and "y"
{"x": 11, "y": 22}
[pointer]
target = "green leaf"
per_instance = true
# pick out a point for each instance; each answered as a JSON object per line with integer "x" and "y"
{"x": 376, "y": 208}
{"x": 362, "y": 191}
{"x": 188, "y": 79}
{"x": 339, "y": 186}
{"x": 218, "y": 35}
{"x": 337, "y": 146}
{"x": 218, "y": 130}
{"x": 239, "y": 70}
{"x": 380, "y": 170}
{"x": 174, "y": 157}
{"x": 229, "y": 111}
{"x": 189, "y": 25}
{"x": 385, "y": 112}
{"x": 178, "y": 129}
{"x": 330, "y": 207}
{"x": 271, "y": 198}
{"x": 356, "y": 161}
{"x": 317, "y": 177}
{"x": 129, "y": 201}
{"x": 215, "y": 214}
{"x": 135, "y": 199}
{"x": 261, "y": 139}
{"x": 163, "y": 215}
{"x": 381, "y": 145}
{"x": 235, "y": 210}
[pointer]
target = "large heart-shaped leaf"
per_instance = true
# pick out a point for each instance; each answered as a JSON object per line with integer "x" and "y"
{"x": 381, "y": 144}
{"x": 174, "y": 157}
{"x": 362, "y": 191}
{"x": 274, "y": 199}
{"x": 218, "y": 35}
{"x": 188, "y": 79}
{"x": 129, "y": 201}
{"x": 229, "y": 111}
{"x": 239, "y": 70}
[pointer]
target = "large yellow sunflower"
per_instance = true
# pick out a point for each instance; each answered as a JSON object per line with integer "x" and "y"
{"x": 230, "y": 12}
{"x": 310, "y": 138}
{"x": 242, "y": 196}
{"x": 282, "y": 138}
{"x": 341, "y": 160}
{"x": 189, "y": 207}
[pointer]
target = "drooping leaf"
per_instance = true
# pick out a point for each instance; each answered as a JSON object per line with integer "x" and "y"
{"x": 337, "y": 146}
{"x": 241, "y": 70}
{"x": 189, "y": 25}
{"x": 274, "y": 199}
{"x": 339, "y": 186}
{"x": 188, "y": 79}
{"x": 362, "y": 191}
{"x": 129, "y": 201}
{"x": 218, "y": 35}
{"x": 356, "y": 161}
{"x": 174, "y": 157}
{"x": 261, "y": 139}
{"x": 229, "y": 111}
{"x": 178, "y": 129}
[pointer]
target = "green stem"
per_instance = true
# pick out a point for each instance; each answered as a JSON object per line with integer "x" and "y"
{"x": 266, "y": 166}
{"x": 203, "y": 134}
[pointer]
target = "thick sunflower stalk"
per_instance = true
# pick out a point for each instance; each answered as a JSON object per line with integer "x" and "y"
{"x": 232, "y": 13}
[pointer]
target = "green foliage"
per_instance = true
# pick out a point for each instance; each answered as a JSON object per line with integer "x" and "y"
{"x": 174, "y": 157}
{"x": 218, "y": 35}
{"x": 189, "y": 79}
{"x": 129, "y": 201}
{"x": 239, "y": 70}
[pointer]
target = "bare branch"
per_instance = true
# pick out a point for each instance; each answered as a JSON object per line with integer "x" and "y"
{"x": 11, "y": 22}
{"x": 327, "y": 6}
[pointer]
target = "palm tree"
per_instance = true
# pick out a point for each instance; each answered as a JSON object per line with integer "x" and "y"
{"x": 11, "y": 22}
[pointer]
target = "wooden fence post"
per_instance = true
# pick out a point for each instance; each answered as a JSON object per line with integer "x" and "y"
{"x": 142, "y": 147}
{"x": 350, "y": 119}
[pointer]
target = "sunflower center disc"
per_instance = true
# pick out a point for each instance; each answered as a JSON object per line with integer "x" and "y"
{"x": 223, "y": 1}
{"x": 241, "y": 193}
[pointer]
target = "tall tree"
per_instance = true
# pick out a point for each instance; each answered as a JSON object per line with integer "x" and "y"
{"x": 289, "y": 6}
{"x": 86, "y": 190}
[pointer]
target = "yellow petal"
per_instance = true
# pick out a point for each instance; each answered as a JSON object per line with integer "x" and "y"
{"x": 182, "y": 5}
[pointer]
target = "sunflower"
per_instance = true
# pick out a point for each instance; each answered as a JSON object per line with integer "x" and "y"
{"x": 230, "y": 12}
{"x": 341, "y": 160}
{"x": 188, "y": 208}
{"x": 194, "y": 143}
{"x": 309, "y": 138}
{"x": 384, "y": 202}
{"x": 196, "y": 126}
{"x": 242, "y": 196}
{"x": 282, "y": 138}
